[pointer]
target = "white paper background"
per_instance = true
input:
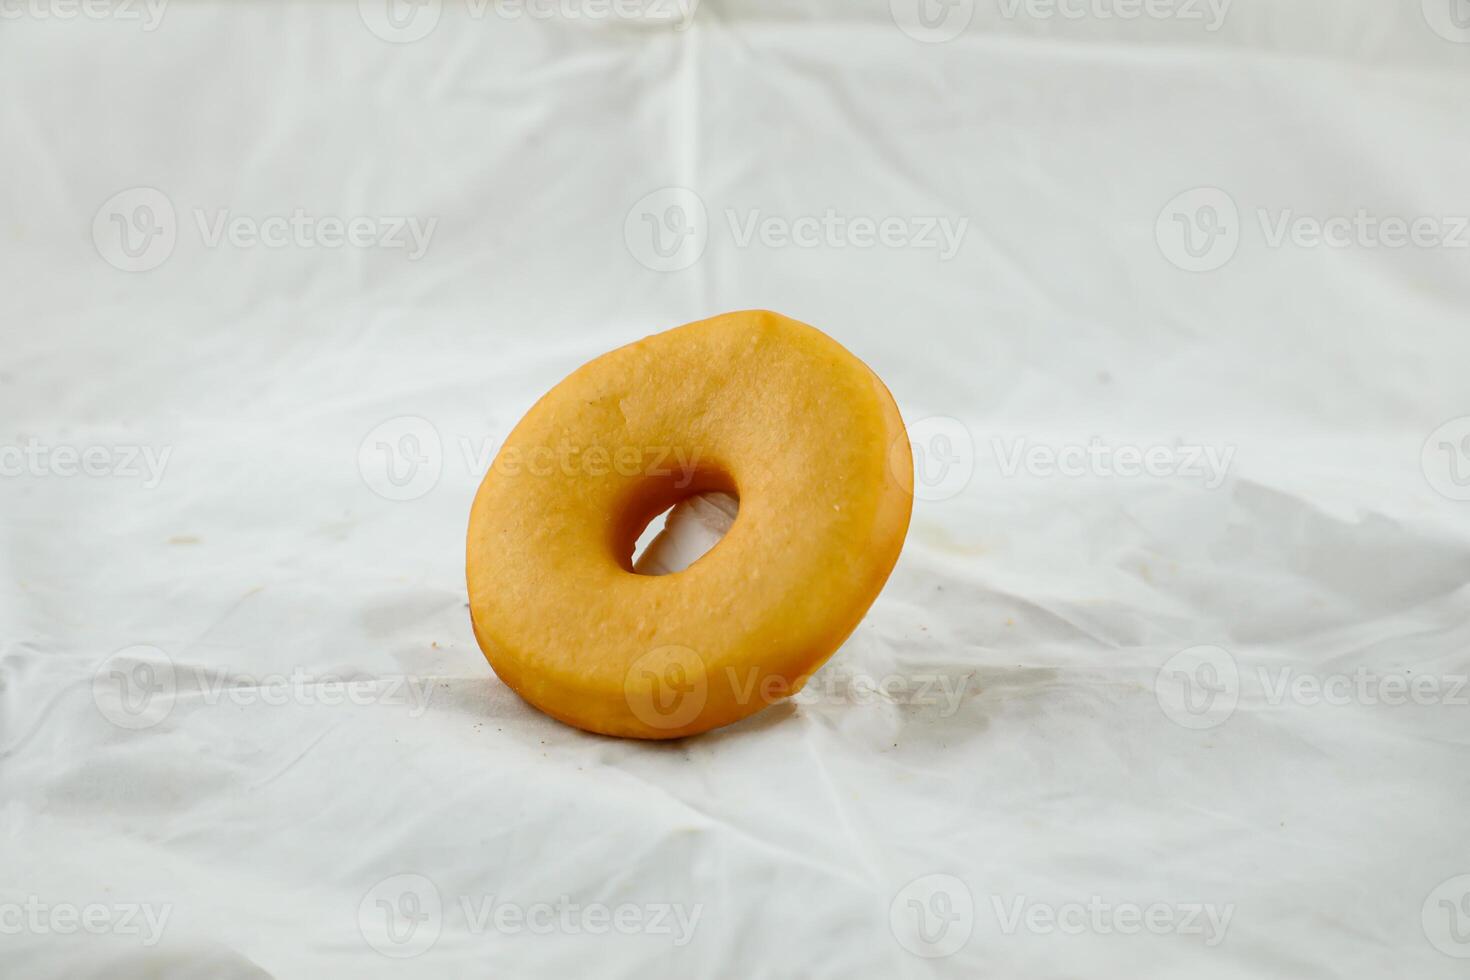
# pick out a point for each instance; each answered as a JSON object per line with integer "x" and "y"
{"x": 1332, "y": 547}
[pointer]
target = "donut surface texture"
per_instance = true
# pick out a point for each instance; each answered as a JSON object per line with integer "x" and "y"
{"x": 753, "y": 404}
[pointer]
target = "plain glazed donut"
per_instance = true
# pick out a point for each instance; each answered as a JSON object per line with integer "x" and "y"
{"x": 753, "y": 404}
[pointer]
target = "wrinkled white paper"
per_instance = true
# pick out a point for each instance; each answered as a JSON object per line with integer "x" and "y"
{"x": 1169, "y": 680}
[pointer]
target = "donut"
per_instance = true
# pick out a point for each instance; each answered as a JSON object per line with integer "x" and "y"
{"x": 752, "y": 404}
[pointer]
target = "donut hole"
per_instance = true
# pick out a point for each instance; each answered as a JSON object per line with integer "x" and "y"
{"x": 684, "y": 532}
{"x": 666, "y": 521}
